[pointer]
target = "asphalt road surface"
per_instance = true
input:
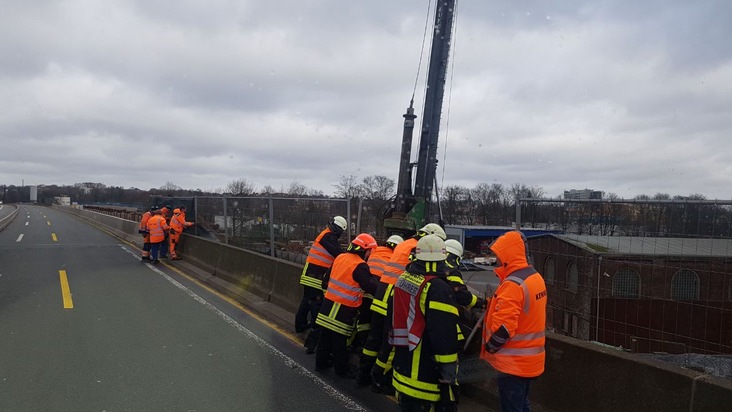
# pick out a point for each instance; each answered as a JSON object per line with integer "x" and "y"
{"x": 85, "y": 326}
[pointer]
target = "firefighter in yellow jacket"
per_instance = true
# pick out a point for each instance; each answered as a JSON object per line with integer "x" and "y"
{"x": 514, "y": 329}
{"x": 399, "y": 262}
{"x": 424, "y": 332}
{"x": 349, "y": 278}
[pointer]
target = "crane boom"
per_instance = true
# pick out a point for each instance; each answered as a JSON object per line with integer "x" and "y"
{"x": 410, "y": 210}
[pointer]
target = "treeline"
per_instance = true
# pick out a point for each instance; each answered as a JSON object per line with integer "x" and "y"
{"x": 484, "y": 204}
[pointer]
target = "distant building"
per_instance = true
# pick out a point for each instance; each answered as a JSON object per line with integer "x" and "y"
{"x": 646, "y": 294}
{"x": 582, "y": 194}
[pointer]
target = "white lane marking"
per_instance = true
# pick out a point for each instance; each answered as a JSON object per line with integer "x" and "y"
{"x": 19, "y": 238}
{"x": 349, "y": 403}
{"x": 26, "y": 223}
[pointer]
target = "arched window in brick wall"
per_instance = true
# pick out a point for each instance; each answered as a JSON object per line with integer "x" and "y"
{"x": 685, "y": 285}
{"x": 572, "y": 277}
{"x": 549, "y": 269}
{"x": 626, "y": 283}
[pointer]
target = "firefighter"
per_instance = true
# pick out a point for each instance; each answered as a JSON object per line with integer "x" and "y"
{"x": 177, "y": 224}
{"x": 514, "y": 328}
{"x": 463, "y": 296}
{"x": 146, "y": 233}
{"x": 158, "y": 228}
{"x": 377, "y": 261}
{"x": 424, "y": 332}
{"x": 400, "y": 259}
{"x": 320, "y": 258}
{"x": 348, "y": 278}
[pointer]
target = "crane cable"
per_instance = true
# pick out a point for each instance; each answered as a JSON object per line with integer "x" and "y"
{"x": 449, "y": 94}
{"x": 421, "y": 53}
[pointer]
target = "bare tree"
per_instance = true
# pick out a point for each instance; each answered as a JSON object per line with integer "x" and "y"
{"x": 241, "y": 187}
{"x": 347, "y": 187}
{"x": 170, "y": 187}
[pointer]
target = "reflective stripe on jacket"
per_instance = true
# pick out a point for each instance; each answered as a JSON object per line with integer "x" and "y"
{"x": 398, "y": 261}
{"x": 178, "y": 222}
{"x": 157, "y": 227}
{"x": 417, "y": 372}
{"x": 342, "y": 287}
{"x": 318, "y": 255}
{"x": 378, "y": 260}
{"x": 518, "y": 311}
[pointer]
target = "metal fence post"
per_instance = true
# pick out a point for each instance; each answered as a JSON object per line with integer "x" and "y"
{"x": 271, "y": 228}
{"x": 226, "y": 222}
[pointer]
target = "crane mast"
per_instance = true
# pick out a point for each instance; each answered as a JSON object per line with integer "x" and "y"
{"x": 410, "y": 209}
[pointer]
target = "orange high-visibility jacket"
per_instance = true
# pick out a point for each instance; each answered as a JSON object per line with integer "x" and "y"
{"x": 342, "y": 287}
{"x": 378, "y": 260}
{"x": 318, "y": 255}
{"x": 399, "y": 261}
{"x": 145, "y": 217}
{"x": 178, "y": 221}
{"x": 157, "y": 227}
{"x": 516, "y": 319}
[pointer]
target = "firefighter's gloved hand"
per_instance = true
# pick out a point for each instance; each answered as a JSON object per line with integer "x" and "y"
{"x": 172, "y": 231}
{"x": 490, "y": 348}
{"x": 448, "y": 373}
{"x": 143, "y": 231}
{"x": 480, "y": 304}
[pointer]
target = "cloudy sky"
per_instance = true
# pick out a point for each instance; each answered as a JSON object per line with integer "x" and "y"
{"x": 624, "y": 96}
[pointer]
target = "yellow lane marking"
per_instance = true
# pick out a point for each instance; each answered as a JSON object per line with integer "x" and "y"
{"x": 65, "y": 291}
{"x": 53, "y": 236}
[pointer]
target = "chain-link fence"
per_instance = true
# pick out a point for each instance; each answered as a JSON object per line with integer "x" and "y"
{"x": 646, "y": 275}
{"x": 278, "y": 226}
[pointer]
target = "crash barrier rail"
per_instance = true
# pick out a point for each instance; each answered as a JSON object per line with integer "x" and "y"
{"x": 579, "y": 375}
{"x": 9, "y": 218}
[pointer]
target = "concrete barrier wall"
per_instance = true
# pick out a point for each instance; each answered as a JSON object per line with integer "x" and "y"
{"x": 579, "y": 375}
{"x": 272, "y": 279}
{"x": 4, "y": 222}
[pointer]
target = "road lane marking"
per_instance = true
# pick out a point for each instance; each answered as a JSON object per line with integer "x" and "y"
{"x": 26, "y": 223}
{"x": 20, "y": 237}
{"x": 53, "y": 236}
{"x": 49, "y": 223}
{"x": 65, "y": 290}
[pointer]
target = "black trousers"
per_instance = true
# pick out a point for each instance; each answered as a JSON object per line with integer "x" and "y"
{"x": 332, "y": 345}
{"x": 371, "y": 347}
{"x": 309, "y": 305}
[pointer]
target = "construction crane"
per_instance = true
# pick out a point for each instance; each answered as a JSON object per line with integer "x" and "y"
{"x": 409, "y": 210}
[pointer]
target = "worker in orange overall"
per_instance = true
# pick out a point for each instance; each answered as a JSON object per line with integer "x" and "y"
{"x": 177, "y": 224}
{"x": 165, "y": 212}
{"x": 158, "y": 228}
{"x": 145, "y": 233}
{"x": 514, "y": 329}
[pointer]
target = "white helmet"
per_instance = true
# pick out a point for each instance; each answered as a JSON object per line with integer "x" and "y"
{"x": 430, "y": 248}
{"x": 454, "y": 247}
{"x": 340, "y": 222}
{"x": 434, "y": 229}
{"x": 395, "y": 239}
